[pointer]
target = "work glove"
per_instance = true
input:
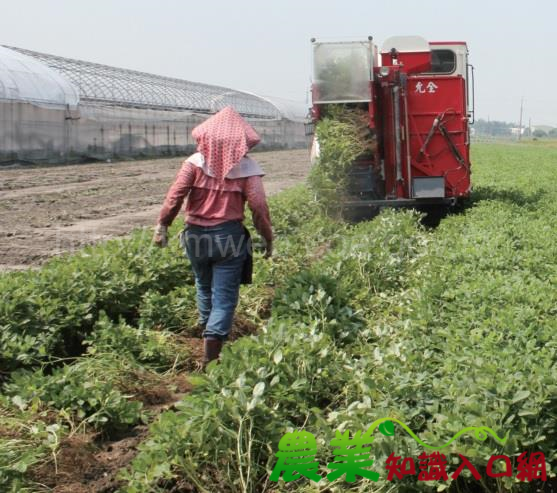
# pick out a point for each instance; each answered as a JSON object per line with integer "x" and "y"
{"x": 268, "y": 252}
{"x": 160, "y": 238}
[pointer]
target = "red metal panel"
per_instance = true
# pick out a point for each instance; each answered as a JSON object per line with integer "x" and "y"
{"x": 443, "y": 98}
{"x": 411, "y": 62}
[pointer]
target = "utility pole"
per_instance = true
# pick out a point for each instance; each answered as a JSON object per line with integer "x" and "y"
{"x": 530, "y": 127}
{"x": 520, "y": 124}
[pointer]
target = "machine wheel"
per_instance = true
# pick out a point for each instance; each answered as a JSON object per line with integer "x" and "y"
{"x": 461, "y": 205}
{"x": 433, "y": 214}
{"x": 359, "y": 214}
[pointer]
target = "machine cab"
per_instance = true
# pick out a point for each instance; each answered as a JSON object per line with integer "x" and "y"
{"x": 450, "y": 58}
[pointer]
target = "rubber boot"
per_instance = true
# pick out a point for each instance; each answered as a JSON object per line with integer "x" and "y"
{"x": 212, "y": 347}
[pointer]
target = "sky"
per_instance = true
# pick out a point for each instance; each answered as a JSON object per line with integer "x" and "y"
{"x": 264, "y": 46}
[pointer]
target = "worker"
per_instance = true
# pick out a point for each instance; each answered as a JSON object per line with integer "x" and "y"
{"x": 217, "y": 181}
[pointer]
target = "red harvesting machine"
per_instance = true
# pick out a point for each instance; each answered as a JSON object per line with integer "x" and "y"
{"x": 419, "y": 96}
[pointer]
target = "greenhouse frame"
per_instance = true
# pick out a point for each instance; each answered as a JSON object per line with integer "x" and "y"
{"x": 57, "y": 110}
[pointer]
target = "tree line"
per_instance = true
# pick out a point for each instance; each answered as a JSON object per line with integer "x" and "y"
{"x": 497, "y": 128}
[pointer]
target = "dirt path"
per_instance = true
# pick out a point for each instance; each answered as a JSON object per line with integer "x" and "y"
{"x": 90, "y": 463}
{"x": 47, "y": 210}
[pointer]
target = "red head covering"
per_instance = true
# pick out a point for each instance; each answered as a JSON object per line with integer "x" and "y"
{"x": 224, "y": 139}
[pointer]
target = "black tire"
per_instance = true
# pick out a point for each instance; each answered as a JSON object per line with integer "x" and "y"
{"x": 358, "y": 214}
{"x": 433, "y": 214}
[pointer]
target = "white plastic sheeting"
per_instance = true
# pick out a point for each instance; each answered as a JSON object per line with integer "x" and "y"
{"x": 123, "y": 87}
{"x": 39, "y": 134}
{"x": 59, "y": 110}
{"x": 295, "y": 111}
{"x": 23, "y": 78}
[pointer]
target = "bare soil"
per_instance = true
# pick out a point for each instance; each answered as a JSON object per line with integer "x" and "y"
{"x": 90, "y": 463}
{"x": 47, "y": 210}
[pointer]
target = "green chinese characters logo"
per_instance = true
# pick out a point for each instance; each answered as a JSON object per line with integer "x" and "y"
{"x": 352, "y": 454}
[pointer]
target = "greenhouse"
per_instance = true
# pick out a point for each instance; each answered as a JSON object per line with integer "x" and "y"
{"x": 55, "y": 109}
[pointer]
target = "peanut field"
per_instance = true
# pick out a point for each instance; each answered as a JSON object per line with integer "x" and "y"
{"x": 439, "y": 328}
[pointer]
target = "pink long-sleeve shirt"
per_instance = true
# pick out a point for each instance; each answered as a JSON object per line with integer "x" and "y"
{"x": 210, "y": 202}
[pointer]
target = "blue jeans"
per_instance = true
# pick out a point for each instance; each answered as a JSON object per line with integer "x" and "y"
{"x": 217, "y": 255}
